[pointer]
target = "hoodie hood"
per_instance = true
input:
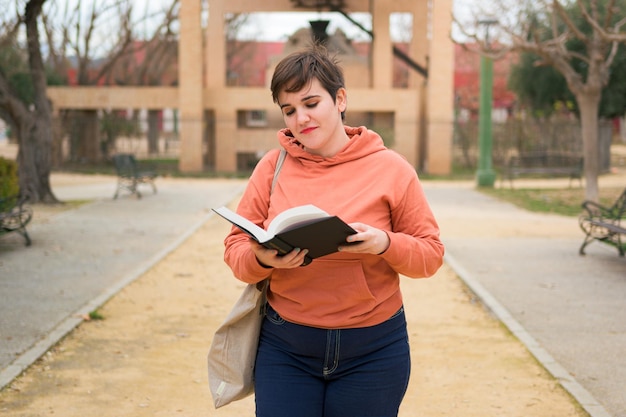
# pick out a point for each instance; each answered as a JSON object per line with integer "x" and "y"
{"x": 363, "y": 142}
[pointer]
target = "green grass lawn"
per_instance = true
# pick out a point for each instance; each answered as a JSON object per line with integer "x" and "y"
{"x": 565, "y": 201}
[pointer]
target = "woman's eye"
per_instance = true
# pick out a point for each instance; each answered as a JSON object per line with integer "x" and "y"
{"x": 288, "y": 112}
{"x": 311, "y": 105}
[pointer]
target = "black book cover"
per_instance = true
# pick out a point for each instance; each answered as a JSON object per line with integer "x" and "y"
{"x": 321, "y": 237}
{"x": 304, "y": 227}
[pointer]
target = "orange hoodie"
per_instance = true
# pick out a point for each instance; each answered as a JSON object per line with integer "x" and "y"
{"x": 365, "y": 182}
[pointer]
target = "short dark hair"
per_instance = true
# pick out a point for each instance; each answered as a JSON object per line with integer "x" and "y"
{"x": 298, "y": 69}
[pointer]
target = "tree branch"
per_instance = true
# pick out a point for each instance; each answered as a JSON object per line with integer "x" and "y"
{"x": 562, "y": 13}
{"x": 10, "y": 106}
{"x": 38, "y": 73}
{"x": 603, "y": 33}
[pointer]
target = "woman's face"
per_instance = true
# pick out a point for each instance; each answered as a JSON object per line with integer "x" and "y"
{"x": 314, "y": 118}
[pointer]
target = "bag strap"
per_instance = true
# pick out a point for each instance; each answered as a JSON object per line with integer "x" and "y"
{"x": 262, "y": 286}
{"x": 279, "y": 165}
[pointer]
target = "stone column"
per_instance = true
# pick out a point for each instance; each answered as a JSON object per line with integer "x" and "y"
{"x": 226, "y": 142}
{"x": 406, "y": 128}
{"x": 215, "y": 46}
{"x": 225, "y": 111}
{"x": 190, "y": 90}
{"x": 382, "y": 53}
{"x": 440, "y": 91}
{"x": 419, "y": 52}
{"x": 419, "y": 42}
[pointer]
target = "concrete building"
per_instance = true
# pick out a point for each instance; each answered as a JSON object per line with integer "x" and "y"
{"x": 226, "y": 128}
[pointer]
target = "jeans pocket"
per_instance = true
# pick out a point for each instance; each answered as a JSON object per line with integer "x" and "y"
{"x": 273, "y": 316}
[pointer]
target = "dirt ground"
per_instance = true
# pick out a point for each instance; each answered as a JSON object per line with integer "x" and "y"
{"x": 147, "y": 356}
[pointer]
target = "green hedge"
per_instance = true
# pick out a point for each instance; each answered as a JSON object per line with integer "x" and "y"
{"x": 9, "y": 184}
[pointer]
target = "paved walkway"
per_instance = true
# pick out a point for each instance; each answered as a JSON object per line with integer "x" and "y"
{"x": 84, "y": 256}
{"x": 567, "y": 309}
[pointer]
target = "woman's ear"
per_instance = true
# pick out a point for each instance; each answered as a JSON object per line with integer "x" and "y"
{"x": 342, "y": 99}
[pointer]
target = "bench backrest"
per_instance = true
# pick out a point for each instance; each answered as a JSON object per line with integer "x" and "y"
{"x": 546, "y": 159}
{"x": 619, "y": 207}
{"x": 125, "y": 164}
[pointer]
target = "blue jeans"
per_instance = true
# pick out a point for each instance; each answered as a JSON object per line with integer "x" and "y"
{"x": 309, "y": 372}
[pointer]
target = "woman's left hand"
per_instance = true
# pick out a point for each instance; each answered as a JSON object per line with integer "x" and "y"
{"x": 368, "y": 239}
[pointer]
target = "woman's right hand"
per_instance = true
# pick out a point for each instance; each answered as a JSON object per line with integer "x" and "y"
{"x": 270, "y": 258}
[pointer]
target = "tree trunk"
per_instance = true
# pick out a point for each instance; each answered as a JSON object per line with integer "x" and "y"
{"x": 35, "y": 127}
{"x": 92, "y": 150}
{"x": 85, "y": 137}
{"x": 588, "y": 104}
{"x": 153, "y": 132}
{"x": 57, "y": 151}
{"x": 35, "y": 144}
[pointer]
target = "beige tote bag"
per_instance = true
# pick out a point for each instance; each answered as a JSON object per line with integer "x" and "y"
{"x": 233, "y": 350}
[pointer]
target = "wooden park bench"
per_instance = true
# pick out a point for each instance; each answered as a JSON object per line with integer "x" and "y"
{"x": 545, "y": 163}
{"x": 130, "y": 175}
{"x": 604, "y": 223}
{"x": 15, "y": 214}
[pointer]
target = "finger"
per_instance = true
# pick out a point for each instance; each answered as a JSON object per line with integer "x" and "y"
{"x": 293, "y": 259}
{"x": 357, "y": 247}
{"x": 295, "y": 253}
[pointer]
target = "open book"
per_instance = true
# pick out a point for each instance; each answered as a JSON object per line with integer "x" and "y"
{"x": 304, "y": 227}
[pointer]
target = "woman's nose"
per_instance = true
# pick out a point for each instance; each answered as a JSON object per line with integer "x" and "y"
{"x": 303, "y": 116}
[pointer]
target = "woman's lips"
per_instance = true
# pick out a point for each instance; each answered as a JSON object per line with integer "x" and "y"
{"x": 307, "y": 130}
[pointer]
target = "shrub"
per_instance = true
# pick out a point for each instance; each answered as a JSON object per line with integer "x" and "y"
{"x": 9, "y": 184}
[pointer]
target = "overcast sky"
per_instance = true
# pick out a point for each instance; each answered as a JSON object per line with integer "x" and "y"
{"x": 278, "y": 26}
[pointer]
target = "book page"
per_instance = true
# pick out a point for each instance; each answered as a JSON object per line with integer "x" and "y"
{"x": 295, "y": 216}
{"x": 244, "y": 224}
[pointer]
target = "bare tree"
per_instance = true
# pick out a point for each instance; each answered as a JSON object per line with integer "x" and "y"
{"x": 31, "y": 120}
{"x": 96, "y": 34}
{"x": 546, "y": 29}
{"x": 99, "y": 36}
{"x": 32, "y": 123}
{"x": 151, "y": 62}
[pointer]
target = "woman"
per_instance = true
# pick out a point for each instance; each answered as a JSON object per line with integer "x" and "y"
{"x": 334, "y": 341}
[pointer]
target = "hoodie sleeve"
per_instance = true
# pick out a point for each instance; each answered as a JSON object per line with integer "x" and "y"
{"x": 415, "y": 249}
{"x": 254, "y": 205}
